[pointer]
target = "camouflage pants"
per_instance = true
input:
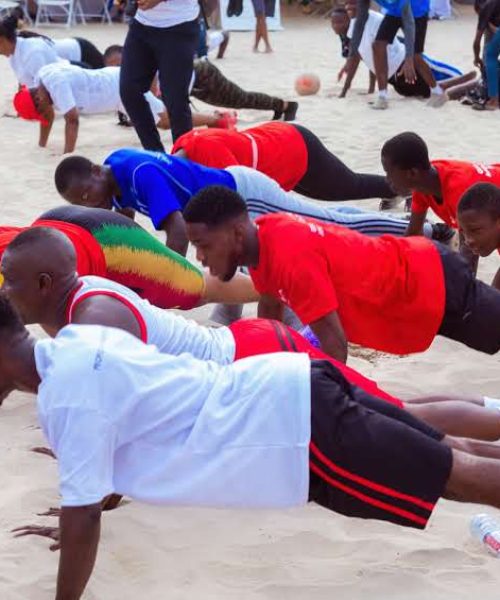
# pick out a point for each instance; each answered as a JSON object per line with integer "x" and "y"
{"x": 212, "y": 87}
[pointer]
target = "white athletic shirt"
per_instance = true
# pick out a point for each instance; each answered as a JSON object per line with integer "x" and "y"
{"x": 395, "y": 51}
{"x": 122, "y": 417}
{"x": 69, "y": 49}
{"x": 169, "y": 13}
{"x": 30, "y": 55}
{"x": 91, "y": 91}
{"x": 169, "y": 332}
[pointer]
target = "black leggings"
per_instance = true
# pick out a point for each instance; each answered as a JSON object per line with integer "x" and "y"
{"x": 212, "y": 87}
{"x": 328, "y": 178}
{"x": 91, "y": 57}
{"x": 170, "y": 51}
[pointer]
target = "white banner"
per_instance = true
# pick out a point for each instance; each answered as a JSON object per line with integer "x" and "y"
{"x": 246, "y": 21}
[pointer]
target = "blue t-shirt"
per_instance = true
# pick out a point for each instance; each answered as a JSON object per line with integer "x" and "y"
{"x": 419, "y": 8}
{"x": 157, "y": 184}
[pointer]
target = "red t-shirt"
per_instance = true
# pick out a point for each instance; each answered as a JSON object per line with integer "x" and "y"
{"x": 456, "y": 178}
{"x": 276, "y": 149}
{"x": 89, "y": 256}
{"x": 389, "y": 292}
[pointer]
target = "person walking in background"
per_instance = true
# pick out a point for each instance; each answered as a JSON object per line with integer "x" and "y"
{"x": 163, "y": 37}
{"x": 488, "y": 20}
{"x": 263, "y": 9}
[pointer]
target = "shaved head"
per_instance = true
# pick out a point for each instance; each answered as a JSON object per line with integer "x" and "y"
{"x": 39, "y": 268}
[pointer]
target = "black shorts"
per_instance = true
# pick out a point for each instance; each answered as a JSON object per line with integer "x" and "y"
{"x": 472, "y": 308}
{"x": 411, "y": 90}
{"x": 390, "y": 26}
{"x": 371, "y": 459}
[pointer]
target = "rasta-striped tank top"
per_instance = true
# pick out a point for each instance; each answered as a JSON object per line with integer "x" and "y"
{"x": 129, "y": 254}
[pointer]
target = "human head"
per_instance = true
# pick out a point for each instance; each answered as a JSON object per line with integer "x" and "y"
{"x": 351, "y": 8}
{"x": 339, "y": 20}
{"x": 478, "y": 215}
{"x": 33, "y": 104}
{"x": 405, "y": 159}
{"x": 81, "y": 182}
{"x": 217, "y": 224}
{"x": 8, "y": 35}
{"x": 113, "y": 56}
{"x": 39, "y": 269}
{"x": 13, "y": 334}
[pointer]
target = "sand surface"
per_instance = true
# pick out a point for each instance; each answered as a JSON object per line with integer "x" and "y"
{"x": 306, "y": 554}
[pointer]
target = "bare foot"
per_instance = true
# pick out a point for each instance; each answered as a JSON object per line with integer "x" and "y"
{"x": 268, "y": 50}
{"x": 255, "y": 48}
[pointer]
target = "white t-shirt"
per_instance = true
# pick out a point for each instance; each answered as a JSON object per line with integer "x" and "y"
{"x": 91, "y": 91}
{"x": 395, "y": 51}
{"x": 169, "y": 332}
{"x": 69, "y": 49}
{"x": 169, "y": 13}
{"x": 122, "y": 417}
{"x": 30, "y": 55}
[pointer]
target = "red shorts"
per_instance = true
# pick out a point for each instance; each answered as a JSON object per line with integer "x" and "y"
{"x": 261, "y": 336}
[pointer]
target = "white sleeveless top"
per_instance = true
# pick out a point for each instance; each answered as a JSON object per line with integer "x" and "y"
{"x": 169, "y": 332}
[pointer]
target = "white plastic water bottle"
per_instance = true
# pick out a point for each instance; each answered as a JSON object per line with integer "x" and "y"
{"x": 487, "y": 530}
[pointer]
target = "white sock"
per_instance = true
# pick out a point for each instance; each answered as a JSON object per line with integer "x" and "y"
{"x": 438, "y": 90}
{"x": 491, "y": 402}
{"x": 383, "y": 94}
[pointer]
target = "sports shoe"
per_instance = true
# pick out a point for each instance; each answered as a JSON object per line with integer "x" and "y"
{"x": 437, "y": 100}
{"x": 380, "y": 103}
{"x": 389, "y": 203}
{"x": 441, "y": 232}
{"x": 291, "y": 111}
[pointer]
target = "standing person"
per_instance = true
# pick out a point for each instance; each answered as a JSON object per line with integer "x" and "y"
{"x": 488, "y": 19}
{"x": 385, "y": 36}
{"x": 387, "y": 293}
{"x": 162, "y": 38}
{"x": 263, "y": 9}
{"x": 343, "y": 23}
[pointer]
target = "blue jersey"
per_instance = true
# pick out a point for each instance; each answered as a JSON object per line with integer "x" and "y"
{"x": 419, "y": 8}
{"x": 156, "y": 184}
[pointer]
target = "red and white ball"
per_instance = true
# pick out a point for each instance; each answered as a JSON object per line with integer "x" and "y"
{"x": 307, "y": 84}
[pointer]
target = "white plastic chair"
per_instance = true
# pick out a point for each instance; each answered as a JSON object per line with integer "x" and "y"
{"x": 72, "y": 9}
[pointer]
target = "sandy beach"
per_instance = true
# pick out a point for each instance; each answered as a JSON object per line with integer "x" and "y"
{"x": 304, "y": 554}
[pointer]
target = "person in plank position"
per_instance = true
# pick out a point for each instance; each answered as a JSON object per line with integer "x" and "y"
{"x": 159, "y": 186}
{"x": 110, "y": 245}
{"x": 437, "y": 185}
{"x": 478, "y": 216}
{"x": 288, "y": 153}
{"x": 387, "y": 293}
{"x": 259, "y": 433}
{"x": 40, "y": 276}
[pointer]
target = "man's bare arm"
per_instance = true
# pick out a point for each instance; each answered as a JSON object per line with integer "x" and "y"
{"x": 331, "y": 336}
{"x": 80, "y": 529}
{"x": 270, "y": 308}
{"x": 71, "y": 119}
{"x": 496, "y": 280}
{"x": 175, "y": 228}
{"x": 45, "y": 129}
{"x": 416, "y": 224}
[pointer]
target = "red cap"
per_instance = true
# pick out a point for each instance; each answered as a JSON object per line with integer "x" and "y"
{"x": 25, "y": 107}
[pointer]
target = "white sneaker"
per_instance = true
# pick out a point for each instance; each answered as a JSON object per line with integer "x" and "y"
{"x": 437, "y": 100}
{"x": 380, "y": 103}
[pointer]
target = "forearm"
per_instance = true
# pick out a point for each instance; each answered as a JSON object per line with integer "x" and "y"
{"x": 362, "y": 8}
{"x": 80, "y": 531}
{"x": 270, "y": 310}
{"x": 416, "y": 224}
{"x": 70, "y": 135}
{"x": 239, "y": 290}
{"x": 496, "y": 280}
{"x": 352, "y": 74}
{"x": 408, "y": 26}
{"x": 178, "y": 243}
{"x": 334, "y": 347}
{"x": 44, "y": 134}
{"x": 476, "y": 46}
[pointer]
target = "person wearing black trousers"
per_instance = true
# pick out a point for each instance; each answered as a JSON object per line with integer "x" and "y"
{"x": 163, "y": 37}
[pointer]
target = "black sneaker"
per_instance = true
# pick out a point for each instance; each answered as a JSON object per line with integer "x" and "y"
{"x": 291, "y": 111}
{"x": 123, "y": 120}
{"x": 442, "y": 233}
{"x": 389, "y": 203}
